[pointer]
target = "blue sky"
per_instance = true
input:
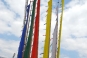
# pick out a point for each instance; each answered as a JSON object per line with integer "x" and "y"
{"x": 74, "y": 38}
{"x": 71, "y": 54}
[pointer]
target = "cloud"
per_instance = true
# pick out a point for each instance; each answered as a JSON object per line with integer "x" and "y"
{"x": 8, "y": 48}
{"x": 64, "y": 56}
{"x": 9, "y": 20}
{"x": 74, "y": 26}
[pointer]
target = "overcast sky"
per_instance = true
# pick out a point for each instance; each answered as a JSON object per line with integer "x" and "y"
{"x": 74, "y": 31}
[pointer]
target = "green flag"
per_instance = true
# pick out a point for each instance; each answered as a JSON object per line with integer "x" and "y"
{"x": 28, "y": 46}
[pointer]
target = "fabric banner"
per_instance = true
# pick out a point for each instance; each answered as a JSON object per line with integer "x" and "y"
{"x": 34, "y": 53}
{"x": 60, "y": 30}
{"x": 28, "y": 45}
{"x": 21, "y": 45}
{"x": 48, "y": 28}
{"x": 54, "y": 43}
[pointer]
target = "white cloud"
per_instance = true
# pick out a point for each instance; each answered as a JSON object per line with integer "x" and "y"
{"x": 8, "y": 48}
{"x": 16, "y": 6}
{"x": 63, "y": 56}
{"x": 74, "y": 23}
{"x": 9, "y": 22}
{"x": 77, "y": 44}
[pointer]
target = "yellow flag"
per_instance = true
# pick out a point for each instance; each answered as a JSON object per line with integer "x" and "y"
{"x": 60, "y": 30}
{"x": 48, "y": 25}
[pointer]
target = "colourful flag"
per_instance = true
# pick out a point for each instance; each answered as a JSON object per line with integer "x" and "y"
{"x": 21, "y": 45}
{"x": 48, "y": 25}
{"x": 29, "y": 41}
{"x": 34, "y": 53}
{"x": 54, "y": 42}
{"x": 60, "y": 30}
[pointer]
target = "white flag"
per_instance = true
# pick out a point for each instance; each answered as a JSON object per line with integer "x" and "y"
{"x": 54, "y": 43}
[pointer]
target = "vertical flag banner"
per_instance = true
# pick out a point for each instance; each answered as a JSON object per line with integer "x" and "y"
{"x": 60, "y": 29}
{"x": 54, "y": 43}
{"x": 28, "y": 45}
{"x": 48, "y": 27}
{"x": 34, "y": 53}
{"x": 26, "y": 3}
{"x": 21, "y": 46}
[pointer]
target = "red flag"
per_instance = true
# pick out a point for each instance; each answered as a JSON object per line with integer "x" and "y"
{"x": 34, "y": 53}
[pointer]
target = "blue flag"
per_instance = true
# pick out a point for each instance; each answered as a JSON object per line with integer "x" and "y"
{"x": 21, "y": 46}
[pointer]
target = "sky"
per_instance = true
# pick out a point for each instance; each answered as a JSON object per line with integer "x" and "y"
{"x": 74, "y": 29}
